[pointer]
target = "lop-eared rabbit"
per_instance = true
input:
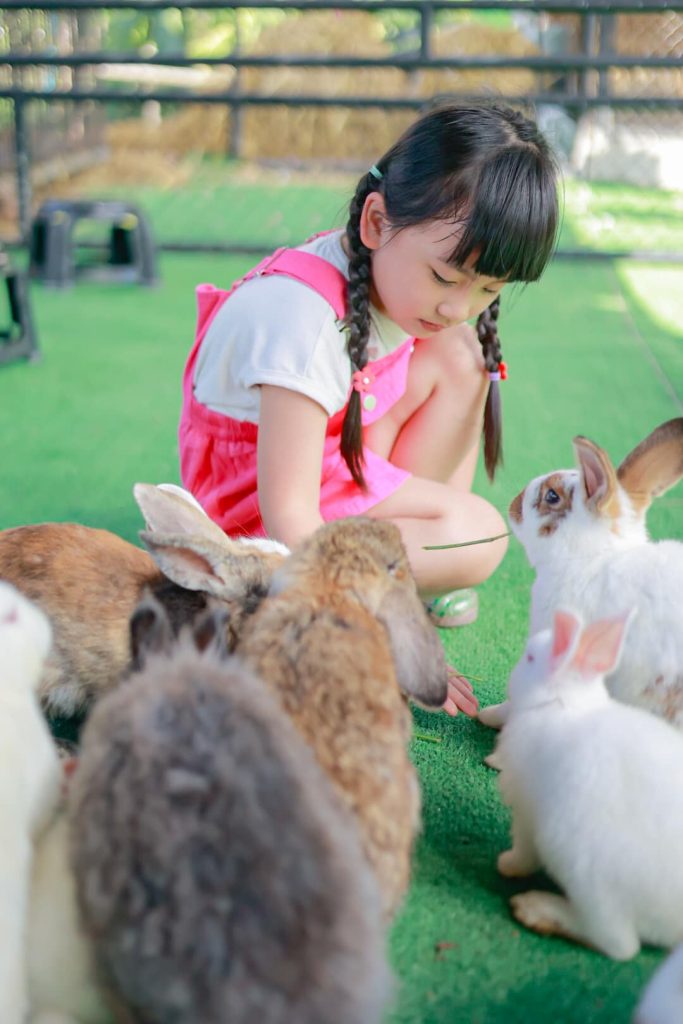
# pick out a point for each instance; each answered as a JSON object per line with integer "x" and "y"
{"x": 219, "y": 876}
{"x": 584, "y": 533}
{"x": 596, "y": 791}
{"x": 89, "y": 581}
{"x": 29, "y": 784}
{"x": 342, "y": 639}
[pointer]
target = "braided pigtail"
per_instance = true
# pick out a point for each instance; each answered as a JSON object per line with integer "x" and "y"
{"x": 487, "y": 332}
{"x": 357, "y": 324}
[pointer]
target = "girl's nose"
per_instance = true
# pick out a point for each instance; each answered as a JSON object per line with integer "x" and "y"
{"x": 456, "y": 309}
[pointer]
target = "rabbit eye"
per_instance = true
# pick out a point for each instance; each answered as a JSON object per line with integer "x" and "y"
{"x": 530, "y": 657}
{"x": 551, "y": 497}
{"x": 392, "y": 567}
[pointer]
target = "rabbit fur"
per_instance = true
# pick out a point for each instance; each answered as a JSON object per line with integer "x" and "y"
{"x": 219, "y": 876}
{"x": 342, "y": 639}
{"x": 29, "y": 784}
{"x": 596, "y": 791}
{"x": 584, "y": 533}
{"x": 89, "y": 581}
{"x": 62, "y": 981}
{"x": 662, "y": 998}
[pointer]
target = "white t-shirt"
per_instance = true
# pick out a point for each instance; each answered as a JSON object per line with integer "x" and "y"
{"x": 275, "y": 330}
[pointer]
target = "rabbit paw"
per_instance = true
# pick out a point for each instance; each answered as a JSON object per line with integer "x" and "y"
{"x": 512, "y": 865}
{"x": 494, "y": 760}
{"x": 495, "y": 715}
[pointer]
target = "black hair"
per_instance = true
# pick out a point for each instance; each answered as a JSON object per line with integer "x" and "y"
{"x": 486, "y": 168}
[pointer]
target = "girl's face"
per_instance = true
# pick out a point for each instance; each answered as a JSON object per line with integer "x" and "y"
{"x": 412, "y": 282}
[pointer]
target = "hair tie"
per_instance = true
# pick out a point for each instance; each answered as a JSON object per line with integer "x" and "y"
{"x": 376, "y": 173}
{"x": 500, "y": 374}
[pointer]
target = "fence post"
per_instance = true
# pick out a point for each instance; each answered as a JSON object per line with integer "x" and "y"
{"x": 426, "y": 18}
{"x": 21, "y": 147}
{"x": 235, "y": 139}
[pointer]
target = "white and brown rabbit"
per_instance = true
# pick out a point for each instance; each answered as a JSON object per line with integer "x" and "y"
{"x": 29, "y": 784}
{"x": 342, "y": 639}
{"x": 584, "y": 533}
{"x": 219, "y": 876}
{"x": 596, "y": 791}
{"x": 89, "y": 581}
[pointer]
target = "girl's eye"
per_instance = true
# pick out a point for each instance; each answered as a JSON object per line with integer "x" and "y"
{"x": 551, "y": 497}
{"x": 441, "y": 280}
{"x": 492, "y": 291}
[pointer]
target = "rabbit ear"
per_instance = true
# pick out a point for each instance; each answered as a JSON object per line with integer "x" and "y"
{"x": 417, "y": 650}
{"x": 170, "y": 509}
{"x": 150, "y": 631}
{"x": 224, "y": 570}
{"x": 598, "y": 477}
{"x": 566, "y": 630}
{"x": 600, "y": 646}
{"x": 654, "y": 466}
{"x": 210, "y": 629}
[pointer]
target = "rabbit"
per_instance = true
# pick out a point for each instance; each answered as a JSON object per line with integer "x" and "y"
{"x": 219, "y": 876}
{"x": 340, "y": 639}
{"x": 662, "y": 999}
{"x": 29, "y": 784}
{"x": 584, "y": 533}
{"x": 88, "y": 582}
{"x": 596, "y": 791}
{"x": 62, "y": 981}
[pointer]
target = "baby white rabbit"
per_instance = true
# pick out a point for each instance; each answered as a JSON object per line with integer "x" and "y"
{"x": 63, "y": 987}
{"x": 584, "y": 533}
{"x": 89, "y": 581}
{"x": 662, "y": 1000}
{"x": 29, "y": 784}
{"x": 596, "y": 791}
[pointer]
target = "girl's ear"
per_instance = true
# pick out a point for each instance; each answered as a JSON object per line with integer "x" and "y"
{"x": 373, "y": 221}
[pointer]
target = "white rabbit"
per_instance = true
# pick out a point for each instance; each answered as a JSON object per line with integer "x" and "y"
{"x": 662, "y": 1000}
{"x": 61, "y": 968}
{"x": 596, "y": 791}
{"x": 584, "y": 533}
{"x": 29, "y": 783}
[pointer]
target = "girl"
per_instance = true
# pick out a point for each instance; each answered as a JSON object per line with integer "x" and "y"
{"x": 342, "y": 377}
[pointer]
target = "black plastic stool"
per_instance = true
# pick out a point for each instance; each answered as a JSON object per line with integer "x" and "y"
{"x": 130, "y": 254}
{"x": 17, "y": 338}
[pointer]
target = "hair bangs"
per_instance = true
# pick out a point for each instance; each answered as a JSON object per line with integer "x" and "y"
{"x": 510, "y": 223}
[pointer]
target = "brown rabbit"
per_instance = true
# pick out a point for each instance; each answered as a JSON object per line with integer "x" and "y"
{"x": 341, "y": 639}
{"x": 89, "y": 581}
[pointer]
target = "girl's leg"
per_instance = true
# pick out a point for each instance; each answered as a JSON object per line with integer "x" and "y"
{"x": 433, "y": 513}
{"x": 435, "y": 427}
{"x": 434, "y": 431}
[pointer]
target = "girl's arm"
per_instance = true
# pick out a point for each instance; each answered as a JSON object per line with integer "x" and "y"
{"x": 291, "y": 438}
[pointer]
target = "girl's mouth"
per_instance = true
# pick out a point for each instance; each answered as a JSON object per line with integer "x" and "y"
{"x": 427, "y": 325}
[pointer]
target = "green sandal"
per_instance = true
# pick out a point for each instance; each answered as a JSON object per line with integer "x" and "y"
{"x": 456, "y": 608}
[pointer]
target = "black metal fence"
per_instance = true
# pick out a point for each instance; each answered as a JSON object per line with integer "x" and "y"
{"x": 604, "y": 68}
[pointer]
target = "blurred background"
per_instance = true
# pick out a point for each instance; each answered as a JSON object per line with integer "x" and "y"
{"x": 219, "y": 118}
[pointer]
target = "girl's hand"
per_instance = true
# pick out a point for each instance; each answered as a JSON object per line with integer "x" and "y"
{"x": 460, "y": 695}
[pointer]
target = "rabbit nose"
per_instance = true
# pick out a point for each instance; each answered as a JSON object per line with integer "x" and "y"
{"x": 515, "y": 509}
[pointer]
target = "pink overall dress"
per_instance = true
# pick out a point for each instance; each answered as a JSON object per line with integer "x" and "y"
{"x": 218, "y": 453}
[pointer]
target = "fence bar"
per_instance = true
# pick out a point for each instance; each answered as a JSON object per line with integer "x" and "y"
{"x": 577, "y": 62}
{"x": 552, "y": 6}
{"x": 389, "y": 103}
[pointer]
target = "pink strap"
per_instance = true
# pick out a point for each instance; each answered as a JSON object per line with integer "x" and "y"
{"x": 309, "y": 269}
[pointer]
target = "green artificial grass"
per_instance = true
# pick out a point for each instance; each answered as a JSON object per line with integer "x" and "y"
{"x": 588, "y": 353}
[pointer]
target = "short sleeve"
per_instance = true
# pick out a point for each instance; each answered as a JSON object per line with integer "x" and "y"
{"x": 272, "y": 330}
